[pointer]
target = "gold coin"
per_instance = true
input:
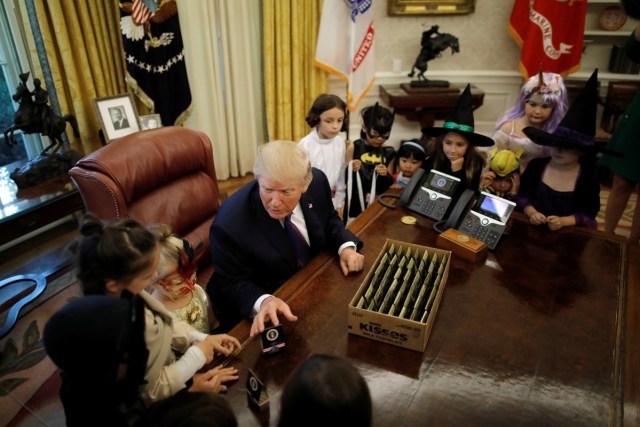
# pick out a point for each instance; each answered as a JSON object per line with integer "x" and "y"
{"x": 410, "y": 220}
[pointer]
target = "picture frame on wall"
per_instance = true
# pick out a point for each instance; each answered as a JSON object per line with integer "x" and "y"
{"x": 430, "y": 7}
{"x": 118, "y": 116}
{"x": 150, "y": 121}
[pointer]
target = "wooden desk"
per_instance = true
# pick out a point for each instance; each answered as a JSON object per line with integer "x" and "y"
{"x": 426, "y": 106}
{"x": 545, "y": 332}
{"x": 25, "y": 210}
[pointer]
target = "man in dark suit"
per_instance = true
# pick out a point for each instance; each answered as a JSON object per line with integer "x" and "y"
{"x": 119, "y": 122}
{"x": 252, "y": 252}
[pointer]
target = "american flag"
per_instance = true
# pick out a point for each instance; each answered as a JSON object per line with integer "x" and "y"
{"x": 140, "y": 13}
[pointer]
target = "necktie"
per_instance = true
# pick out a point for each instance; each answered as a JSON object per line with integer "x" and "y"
{"x": 303, "y": 252}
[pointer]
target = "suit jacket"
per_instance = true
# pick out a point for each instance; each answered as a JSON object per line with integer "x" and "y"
{"x": 251, "y": 252}
{"x": 124, "y": 123}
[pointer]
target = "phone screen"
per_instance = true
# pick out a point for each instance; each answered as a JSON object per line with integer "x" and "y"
{"x": 495, "y": 207}
{"x": 441, "y": 183}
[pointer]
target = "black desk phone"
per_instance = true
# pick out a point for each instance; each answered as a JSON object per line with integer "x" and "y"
{"x": 482, "y": 217}
{"x": 429, "y": 194}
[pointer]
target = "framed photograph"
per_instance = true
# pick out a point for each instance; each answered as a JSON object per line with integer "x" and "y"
{"x": 118, "y": 116}
{"x": 150, "y": 121}
{"x": 430, "y": 7}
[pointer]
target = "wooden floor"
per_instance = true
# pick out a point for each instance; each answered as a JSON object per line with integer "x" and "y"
{"x": 44, "y": 252}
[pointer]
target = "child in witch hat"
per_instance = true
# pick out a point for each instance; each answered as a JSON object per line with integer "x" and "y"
{"x": 503, "y": 176}
{"x": 563, "y": 190}
{"x": 455, "y": 149}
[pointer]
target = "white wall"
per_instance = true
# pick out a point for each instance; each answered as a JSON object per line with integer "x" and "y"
{"x": 488, "y": 59}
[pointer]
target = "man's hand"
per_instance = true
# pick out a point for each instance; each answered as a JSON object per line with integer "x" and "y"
{"x": 351, "y": 261}
{"x": 213, "y": 380}
{"x": 269, "y": 309}
{"x": 223, "y": 343}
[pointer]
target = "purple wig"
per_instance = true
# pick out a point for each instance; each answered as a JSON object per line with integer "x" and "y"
{"x": 553, "y": 92}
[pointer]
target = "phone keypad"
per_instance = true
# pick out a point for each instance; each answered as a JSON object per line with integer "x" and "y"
{"x": 473, "y": 227}
{"x": 430, "y": 206}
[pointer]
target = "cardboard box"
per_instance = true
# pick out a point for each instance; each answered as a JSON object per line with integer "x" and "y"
{"x": 462, "y": 245}
{"x": 398, "y": 300}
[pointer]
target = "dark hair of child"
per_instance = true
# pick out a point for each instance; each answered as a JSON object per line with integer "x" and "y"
{"x": 376, "y": 117}
{"x": 187, "y": 409}
{"x": 472, "y": 160}
{"x": 410, "y": 151}
{"x": 118, "y": 250}
{"x": 326, "y": 102}
{"x": 325, "y": 390}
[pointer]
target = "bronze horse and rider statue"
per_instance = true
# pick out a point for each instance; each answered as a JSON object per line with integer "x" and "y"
{"x": 34, "y": 115}
{"x": 433, "y": 44}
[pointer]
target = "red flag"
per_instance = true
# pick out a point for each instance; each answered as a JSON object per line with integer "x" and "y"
{"x": 549, "y": 32}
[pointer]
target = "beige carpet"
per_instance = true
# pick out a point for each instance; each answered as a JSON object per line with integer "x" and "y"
{"x": 624, "y": 225}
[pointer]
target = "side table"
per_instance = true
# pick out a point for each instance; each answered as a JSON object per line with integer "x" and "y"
{"x": 426, "y": 105}
{"x": 25, "y": 210}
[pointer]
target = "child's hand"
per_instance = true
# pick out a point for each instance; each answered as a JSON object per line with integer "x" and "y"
{"x": 381, "y": 170}
{"x": 356, "y": 165}
{"x": 487, "y": 178}
{"x": 557, "y": 222}
{"x": 554, "y": 222}
{"x": 537, "y": 218}
{"x": 396, "y": 185}
{"x": 456, "y": 164}
{"x": 213, "y": 380}
{"x": 206, "y": 348}
{"x": 223, "y": 343}
{"x": 515, "y": 180}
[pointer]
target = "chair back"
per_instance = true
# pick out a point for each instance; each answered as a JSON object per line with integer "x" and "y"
{"x": 163, "y": 175}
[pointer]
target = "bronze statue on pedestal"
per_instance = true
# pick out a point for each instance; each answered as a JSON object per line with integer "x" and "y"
{"x": 433, "y": 44}
{"x": 34, "y": 115}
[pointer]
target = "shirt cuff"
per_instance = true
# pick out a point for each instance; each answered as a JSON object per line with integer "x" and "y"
{"x": 197, "y": 336}
{"x": 346, "y": 245}
{"x": 190, "y": 363}
{"x": 258, "y": 303}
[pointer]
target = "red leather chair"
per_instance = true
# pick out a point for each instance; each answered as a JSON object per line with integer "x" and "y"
{"x": 163, "y": 175}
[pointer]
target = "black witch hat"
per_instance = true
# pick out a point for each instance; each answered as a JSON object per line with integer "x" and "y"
{"x": 577, "y": 129}
{"x": 460, "y": 120}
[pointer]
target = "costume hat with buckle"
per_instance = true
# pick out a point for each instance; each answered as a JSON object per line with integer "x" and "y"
{"x": 505, "y": 163}
{"x": 460, "y": 120}
{"x": 578, "y": 127}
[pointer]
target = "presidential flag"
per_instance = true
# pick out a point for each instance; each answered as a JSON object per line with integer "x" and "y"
{"x": 549, "y": 33}
{"x": 345, "y": 45}
{"x": 154, "y": 57}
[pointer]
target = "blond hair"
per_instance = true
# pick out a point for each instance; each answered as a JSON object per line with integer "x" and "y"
{"x": 283, "y": 161}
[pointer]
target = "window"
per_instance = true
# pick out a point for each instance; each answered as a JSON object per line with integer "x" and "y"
{"x": 13, "y": 62}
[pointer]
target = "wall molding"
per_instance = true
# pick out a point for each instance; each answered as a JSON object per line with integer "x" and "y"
{"x": 501, "y": 89}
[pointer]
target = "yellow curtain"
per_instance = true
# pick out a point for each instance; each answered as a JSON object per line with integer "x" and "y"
{"x": 85, "y": 55}
{"x": 292, "y": 82}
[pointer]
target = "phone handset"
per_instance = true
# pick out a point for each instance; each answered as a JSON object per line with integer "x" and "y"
{"x": 410, "y": 189}
{"x": 462, "y": 206}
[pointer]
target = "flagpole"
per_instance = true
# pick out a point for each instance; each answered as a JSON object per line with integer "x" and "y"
{"x": 348, "y": 114}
